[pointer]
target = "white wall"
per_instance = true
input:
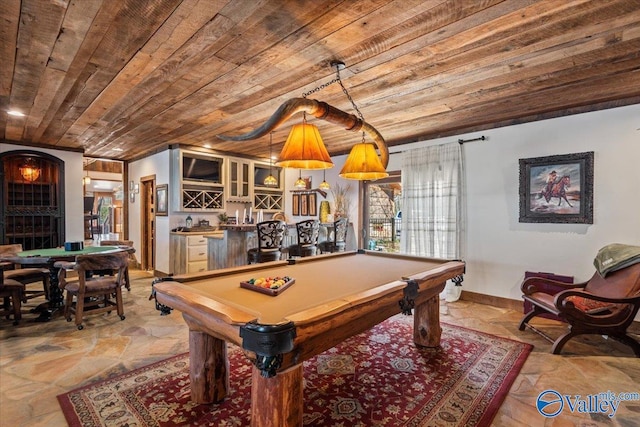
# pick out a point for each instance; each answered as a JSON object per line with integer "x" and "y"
{"x": 158, "y": 165}
{"x": 73, "y": 190}
{"x": 333, "y": 178}
{"x": 499, "y": 248}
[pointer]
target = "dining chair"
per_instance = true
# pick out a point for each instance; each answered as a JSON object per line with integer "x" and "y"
{"x": 26, "y": 276}
{"x": 132, "y": 256}
{"x": 91, "y": 294}
{"x": 270, "y": 236}
{"x": 308, "y": 232}
{"x": 12, "y": 294}
{"x": 339, "y": 241}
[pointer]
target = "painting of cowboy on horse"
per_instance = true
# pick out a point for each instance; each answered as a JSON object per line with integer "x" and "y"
{"x": 556, "y": 188}
{"x": 556, "y": 193}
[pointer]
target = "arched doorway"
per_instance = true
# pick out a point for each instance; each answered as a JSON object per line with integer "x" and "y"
{"x": 32, "y": 193}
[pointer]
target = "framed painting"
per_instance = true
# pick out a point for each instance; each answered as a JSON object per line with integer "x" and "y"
{"x": 557, "y": 189}
{"x": 312, "y": 204}
{"x": 162, "y": 208}
{"x": 295, "y": 204}
{"x": 304, "y": 204}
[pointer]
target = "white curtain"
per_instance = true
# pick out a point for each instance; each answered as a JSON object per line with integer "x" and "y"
{"x": 433, "y": 205}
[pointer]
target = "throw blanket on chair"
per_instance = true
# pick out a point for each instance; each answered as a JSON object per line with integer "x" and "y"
{"x": 616, "y": 256}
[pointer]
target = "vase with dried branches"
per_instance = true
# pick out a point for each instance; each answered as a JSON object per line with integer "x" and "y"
{"x": 341, "y": 200}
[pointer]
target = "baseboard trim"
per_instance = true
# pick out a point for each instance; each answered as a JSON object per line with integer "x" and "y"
{"x": 500, "y": 302}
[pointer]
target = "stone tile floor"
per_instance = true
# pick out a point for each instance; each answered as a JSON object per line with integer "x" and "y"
{"x": 38, "y": 361}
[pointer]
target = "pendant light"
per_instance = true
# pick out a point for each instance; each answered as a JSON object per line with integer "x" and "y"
{"x": 304, "y": 148}
{"x": 300, "y": 183}
{"x": 363, "y": 163}
{"x": 86, "y": 180}
{"x": 271, "y": 180}
{"x": 324, "y": 185}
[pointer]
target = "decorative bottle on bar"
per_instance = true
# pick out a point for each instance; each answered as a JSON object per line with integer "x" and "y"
{"x": 325, "y": 210}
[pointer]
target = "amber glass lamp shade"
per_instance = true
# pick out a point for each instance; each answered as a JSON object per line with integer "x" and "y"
{"x": 363, "y": 163}
{"x": 324, "y": 185}
{"x": 30, "y": 170}
{"x": 304, "y": 149}
{"x": 270, "y": 181}
{"x": 300, "y": 183}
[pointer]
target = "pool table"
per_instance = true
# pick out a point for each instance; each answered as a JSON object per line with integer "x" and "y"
{"x": 334, "y": 297}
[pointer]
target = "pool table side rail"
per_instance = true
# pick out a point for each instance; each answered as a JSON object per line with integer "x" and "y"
{"x": 442, "y": 273}
{"x": 214, "y": 274}
{"x": 204, "y": 309}
{"x": 253, "y": 268}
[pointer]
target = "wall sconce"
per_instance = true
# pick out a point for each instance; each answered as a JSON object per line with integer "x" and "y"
{"x": 133, "y": 189}
{"x": 30, "y": 170}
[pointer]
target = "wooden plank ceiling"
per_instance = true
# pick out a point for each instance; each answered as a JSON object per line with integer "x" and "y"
{"x": 122, "y": 79}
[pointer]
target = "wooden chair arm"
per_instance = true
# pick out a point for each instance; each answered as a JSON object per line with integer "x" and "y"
{"x": 63, "y": 268}
{"x": 528, "y": 285}
{"x": 561, "y": 302}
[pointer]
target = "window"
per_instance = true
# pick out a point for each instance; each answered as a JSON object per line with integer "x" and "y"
{"x": 383, "y": 213}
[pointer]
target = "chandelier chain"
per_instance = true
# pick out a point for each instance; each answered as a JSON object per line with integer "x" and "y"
{"x": 319, "y": 88}
{"x": 344, "y": 90}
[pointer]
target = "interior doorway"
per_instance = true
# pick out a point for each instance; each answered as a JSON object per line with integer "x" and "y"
{"x": 148, "y": 222}
{"x": 104, "y": 199}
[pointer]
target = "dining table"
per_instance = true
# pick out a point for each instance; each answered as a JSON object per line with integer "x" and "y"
{"x": 49, "y": 258}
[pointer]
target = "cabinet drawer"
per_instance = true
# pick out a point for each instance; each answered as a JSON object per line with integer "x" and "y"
{"x": 197, "y": 253}
{"x": 196, "y": 267}
{"x": 196, "y": 240}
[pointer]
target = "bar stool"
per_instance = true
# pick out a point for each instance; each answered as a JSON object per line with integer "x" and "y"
{"x": 339, "y": 242}
{"x": 270, "y": 236}
{"x": 307, "y": 238}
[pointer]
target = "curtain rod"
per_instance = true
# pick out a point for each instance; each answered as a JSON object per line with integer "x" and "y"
{"x": 462, "y": 141}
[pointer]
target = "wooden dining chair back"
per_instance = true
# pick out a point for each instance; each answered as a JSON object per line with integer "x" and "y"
{"x": 88, "y": 291}
{"x": 339, "y": 241}
{"x": 602, "y": 306}
{"x": 12, "y": 294}
{"x": 133, "y": 262}
{"x": 308, "y": 232}
{"x": 270, "y": 237}
{"x": 26, "y": 276}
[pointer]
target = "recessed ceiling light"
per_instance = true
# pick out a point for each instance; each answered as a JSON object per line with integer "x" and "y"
{"x": 117, "y": 149}
{"x": 15, "y": 113}
{"x": 207, "y": 145}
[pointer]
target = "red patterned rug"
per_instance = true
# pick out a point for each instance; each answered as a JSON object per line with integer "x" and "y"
{"x": 376, "y": 378}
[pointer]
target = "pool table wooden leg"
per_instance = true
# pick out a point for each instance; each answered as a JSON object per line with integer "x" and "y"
{"x": 277, "y": 401}
{"x": 426, "y": 323}
{"x": 208, "y": 368}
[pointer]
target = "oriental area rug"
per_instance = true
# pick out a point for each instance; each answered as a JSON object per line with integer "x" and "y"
{"x": 376, "y": 378}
